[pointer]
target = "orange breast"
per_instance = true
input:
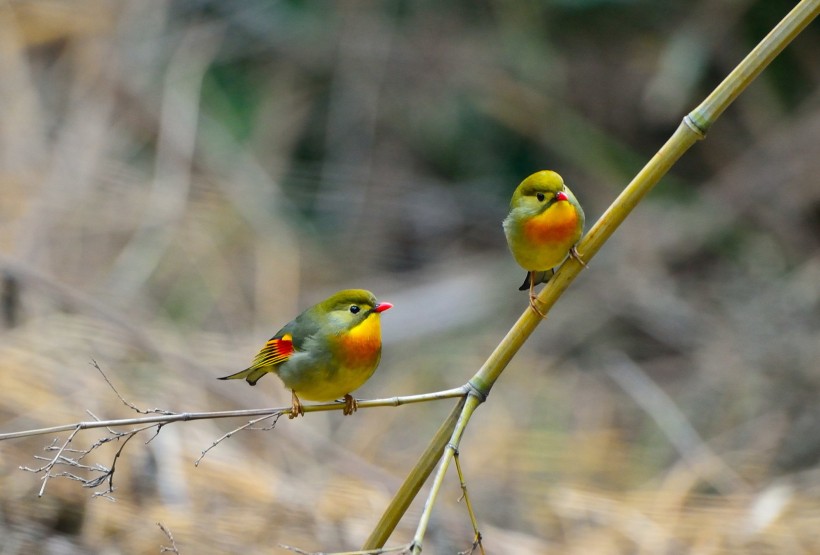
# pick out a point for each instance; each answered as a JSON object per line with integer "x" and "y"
{"x": 361, "y": 345}
{"x": 558, "y": 224}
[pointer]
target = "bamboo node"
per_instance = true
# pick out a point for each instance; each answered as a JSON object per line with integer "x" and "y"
{"x": 697, "y": 129}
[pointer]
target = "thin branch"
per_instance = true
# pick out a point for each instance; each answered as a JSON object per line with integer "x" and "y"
{"x": 476, "y": 544}
{"x": 48, "y": 467}
{"x": 466, "y": 497}
{"x": 247, "y": 425}
{"x": 378, "y": 551}
{"x": 164, "y": 549}
{"x": 157, "y": 419}
{"x": 109, "y": 475}
{"x": 186, "y": 416}
{"x": 61, "y": 458}
{"x": 121, "y": 398}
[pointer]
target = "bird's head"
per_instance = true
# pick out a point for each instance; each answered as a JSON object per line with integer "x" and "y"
{"x": 348, "y": 308}
{"x": 539, "y": 191}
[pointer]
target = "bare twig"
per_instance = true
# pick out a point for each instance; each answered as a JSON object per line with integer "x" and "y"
{"x": 247, "y": 425}
{"x": 465, "y": 496}
{"x": 164, "y": 549}
{"x": 48, "y": 467}
{"x": 130, "y": 405}
{"x": 476, "y": 544}
{"x": 398, "y": 549}
{"x": 109, "y": 475}
{"x": 61, "y": 458}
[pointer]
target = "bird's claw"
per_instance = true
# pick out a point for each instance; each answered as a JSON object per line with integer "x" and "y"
{"x": 535, "y": 308}
{"x": 351, "y": 405}
{"x": 296, "y": 408}
{"x": 533, "y": 297}
{"x": 573, "y": 252}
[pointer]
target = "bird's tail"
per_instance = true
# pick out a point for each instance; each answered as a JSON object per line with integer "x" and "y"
{"x": 251, "y": 375}
{"x": 538, "y": 277}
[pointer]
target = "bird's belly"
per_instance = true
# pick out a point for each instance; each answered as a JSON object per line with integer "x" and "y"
{"x": 337, "y": 385}
{"x": 356, "y": 355}
{"x": 326, "y": 382}
{"x": 542, "y": 258}
{"x": 548, "y": 237}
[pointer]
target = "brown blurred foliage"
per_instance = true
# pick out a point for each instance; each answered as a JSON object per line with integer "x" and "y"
{"x": 180, "y": 178}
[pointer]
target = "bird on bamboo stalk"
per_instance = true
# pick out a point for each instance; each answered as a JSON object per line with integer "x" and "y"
{"x": 326, "y": 352}
{"x": 544, "y": 224}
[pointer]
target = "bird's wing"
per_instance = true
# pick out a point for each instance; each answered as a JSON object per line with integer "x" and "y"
{"x": 276, "y": 351}
{"x": 287, "y": 341}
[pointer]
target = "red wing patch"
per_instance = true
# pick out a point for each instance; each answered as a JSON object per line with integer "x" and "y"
{"x": 275, "y": 351}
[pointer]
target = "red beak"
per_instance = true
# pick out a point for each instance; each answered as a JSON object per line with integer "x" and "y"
{"x": 561, "y": 195}
{"x": 381, "y": 307}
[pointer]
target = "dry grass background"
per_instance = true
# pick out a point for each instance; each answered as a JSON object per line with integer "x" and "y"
{"x": 180, "y": 178}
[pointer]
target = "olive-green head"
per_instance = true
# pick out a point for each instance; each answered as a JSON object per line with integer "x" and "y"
{"x": 537, "y": 191}
{"x": 345, "y": 310}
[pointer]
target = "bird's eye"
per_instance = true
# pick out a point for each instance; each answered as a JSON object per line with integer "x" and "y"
{"x": 354, "y": 309}
{"x": 540, "y": 197}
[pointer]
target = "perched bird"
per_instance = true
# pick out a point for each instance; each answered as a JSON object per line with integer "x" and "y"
{"x": 328, "y": 351}
{"x": 543, "y": 226}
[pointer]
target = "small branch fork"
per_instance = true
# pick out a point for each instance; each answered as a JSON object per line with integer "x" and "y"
{"x": 101, "y": 473}
{"x": 474, "y": 399}
{"x": 247, "y": 426}
{"x": 128, "y": 404}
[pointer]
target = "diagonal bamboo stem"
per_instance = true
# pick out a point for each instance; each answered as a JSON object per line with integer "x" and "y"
{"x": 692, "y": 129}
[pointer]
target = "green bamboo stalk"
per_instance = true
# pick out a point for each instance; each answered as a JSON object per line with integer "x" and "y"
{"x": 692, "y": 129}
{"x": 452, "y": 448}
{"x": 412, "y": 484}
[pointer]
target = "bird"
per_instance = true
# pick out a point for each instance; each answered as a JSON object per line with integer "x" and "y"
{"x": 326, "y": 352}
{"x": 544, "y": 224}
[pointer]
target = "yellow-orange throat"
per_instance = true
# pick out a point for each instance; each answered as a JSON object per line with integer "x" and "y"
{"x": 556, "y": 224}
{"x": 362, "y": 344}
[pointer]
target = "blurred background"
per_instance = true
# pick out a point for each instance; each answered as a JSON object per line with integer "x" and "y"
{"x": 178, "y": 179}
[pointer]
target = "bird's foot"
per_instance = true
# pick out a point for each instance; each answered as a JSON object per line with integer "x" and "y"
{"x": 533, "y": 297}
{"x": 534, "y": 306}
{"x": 351, "y": 405}
{"x": 296, "y": 408}
{"x": 573, "y": 252}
